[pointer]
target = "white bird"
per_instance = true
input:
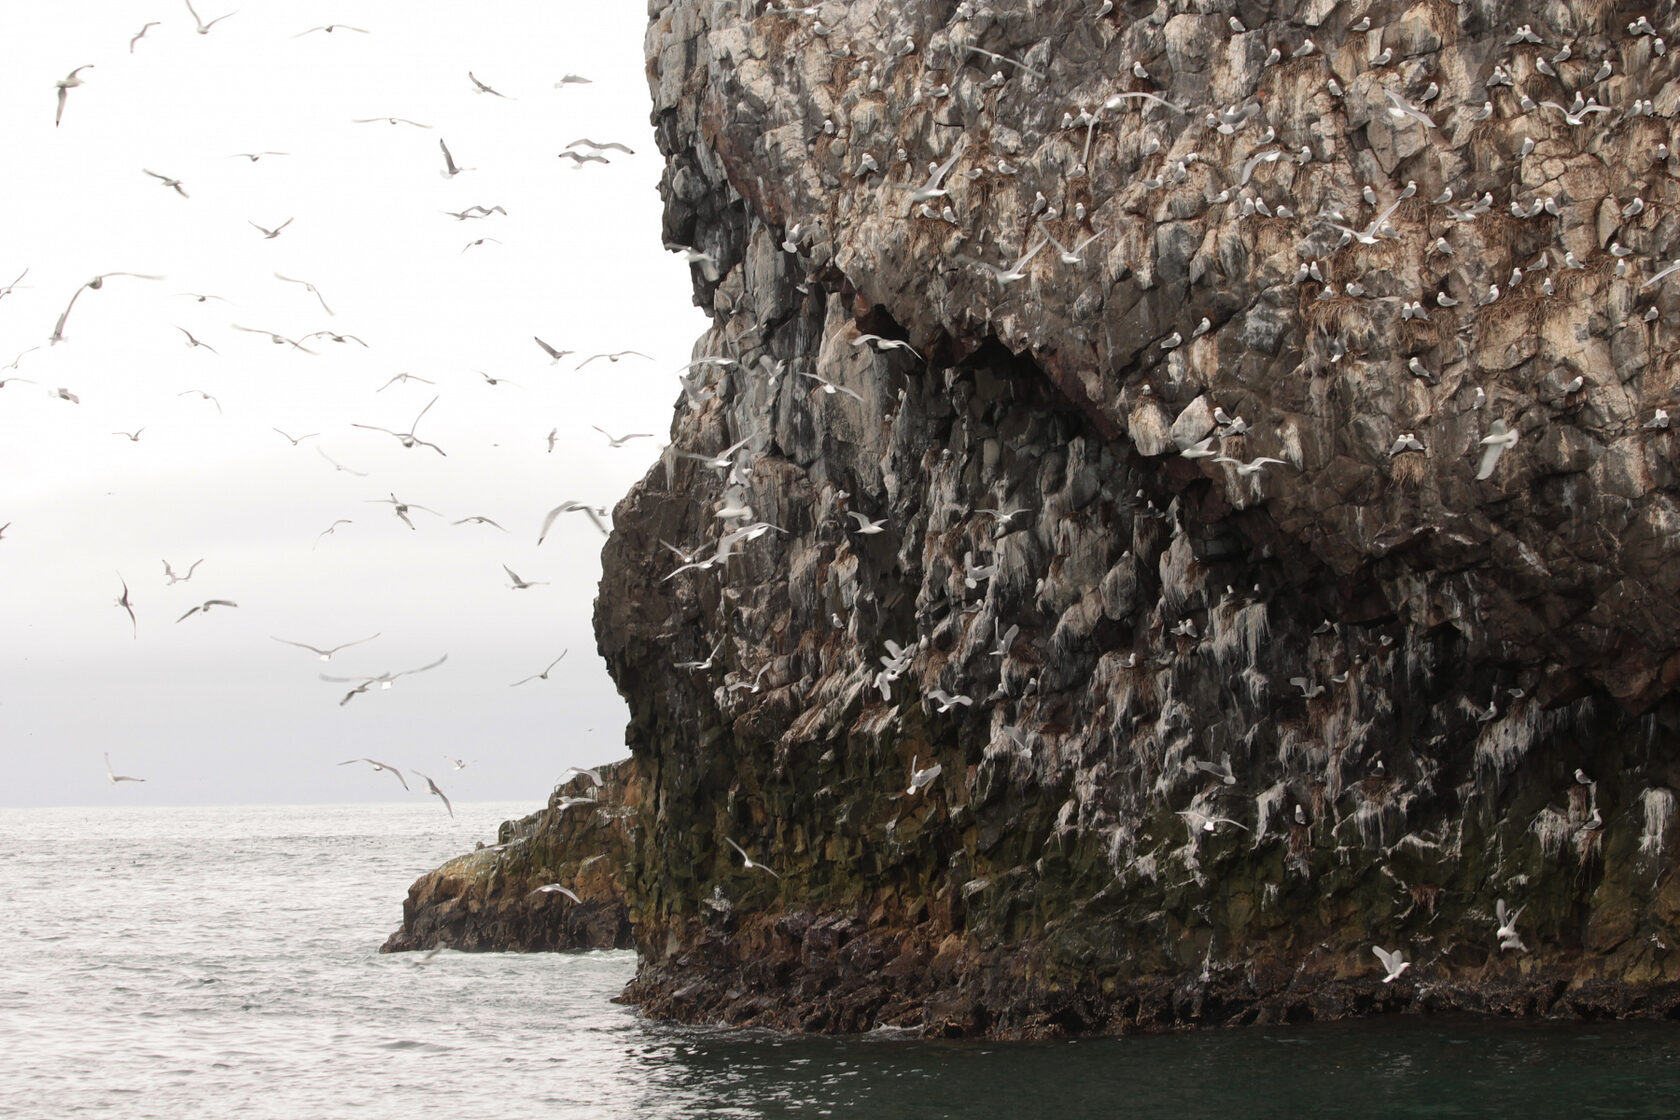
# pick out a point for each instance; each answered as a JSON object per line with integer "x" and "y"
{"x": 1221, "y": 770}
{"x": 1507, "y": 931}
{"x": 449, "y": 172}
{"x": 931, "y": 189}
{"x": 522, "y": 584}
{"x": 204, "y": 28}
{"x": 554, "y": 888}
{"x": 1402, "y": 110}
{"x": 1498, "y": 440}
{"x": 543, "y": 676}
{"x": 620, "y": 441}
{"x": 1658, "y": 420}
{"x": 866, "y": 527}
{"x": 115, "y": 777}
{"x": 383, "y": 680}
{"x": 1405, "y": 442}
{"x": 379, "y": 766}
{"x": 1394, "y": 963}
{"x": 1250, "y": 468}
{"x": 946, "y": 701}
{"x": 324, "y": 654}
{"x": 65, "y": 85}
{"x": 432, "y": 786}
{"x": 593, "y": 775}
{"x": 594, "y": 513}
{"x": 1014, "y": 272}
{"x": 408, "y": 438}
{"x": 204, "y": 607}
{"x": 173, "y": 578}
{"x": 747, "y": 860}
{"x": 829, "y": 388}
{"x": 1201, "y": 822}
{"x": 920, "y": 778}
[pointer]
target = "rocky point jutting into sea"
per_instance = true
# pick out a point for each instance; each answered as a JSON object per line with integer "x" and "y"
{"x": 1228, "y": 440}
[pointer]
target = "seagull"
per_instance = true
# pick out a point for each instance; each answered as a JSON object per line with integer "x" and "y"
{"x": 141, "y": 34}
{"x": 613, "y": 145}
{"x": 1401, "y": 110}
{"x": 829, "y": 388}
{"x": 384, "y": 680}
{"x": 168, "y": 182}
{"x": 450, "y": 170}
{"x": 205, "y": 606}
{"x": 723, "y": 460}
{"x": 478, "y": 520}
{"x": 1201, "y": 822}
{"x": 330, "y": 528}
{"x": 931, "y": 189}
{"x": 325, "y": 654}
{"x": 1393, "y": 962}
{"x": 551, "y": 888}
{"x": 65, "y": 85}
{"x": 556, "y": 355}
{"x": 134, "y": 436}
{"x": 295, "y": 440}
{"x": 408, "y": 438}
{"x": 338, "y": 466}
{"x": 431, "y": 785}
{"x": 877, "y": 342}
{"x": 594, "y": 513}
{"x": 97, "y": 283}
{"x": 1014, "y": 272}
{"x": 401, "y": 508}
{"x": 109, "y": 773}
{"x": 1406, "y": 441}
{"x": 1250, "y": 468}
{"x": 271, "y": 234}
{"x": 543, "y": 676}
{"x": 1005, "y": 641}
{"x": 126, "y": 604}
{"x": 614, "y": 356}
{"x": 946, "y": 701}
{"x": 277, "y": 339}
{"x": 521, "y": 584}
{"x": 1658, "y": 420}
{"x": 1498, "y": 440}
{"x": 866, "y": 527}
{"x": 594, "y": 775}
{"x": 620, "y": 441}
{"x": 330, "y": 28}
{"x": 193, "y": 342}
{"x": 572, "y": 79}
{"x": 173, "y": 578}
{"x": 920, "y": 778}
{"x": 387, "y": 120}
{"x": 1222, "y": 771}
{"x": 379, "y": 766}
{"x": 63, "y": 394}
{"x": 748, "y": 860}
{"x": 580, "y": 158}
{"x": 482, "y": 88}
{"x": 1507, "y": 931}
{"x": 702, "y": 665}
{"x": 316, "y": 292}
{"x": 204, "y": 28}
{"x": 340, "y": 338}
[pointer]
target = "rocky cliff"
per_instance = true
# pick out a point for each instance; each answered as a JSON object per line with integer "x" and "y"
{"x": 1176, "y": 496}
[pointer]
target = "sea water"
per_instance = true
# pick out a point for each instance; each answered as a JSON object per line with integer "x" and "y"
{"x": 223, "y": 962}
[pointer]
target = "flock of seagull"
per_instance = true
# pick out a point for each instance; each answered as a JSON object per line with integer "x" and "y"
{"x": 414, "y": 435}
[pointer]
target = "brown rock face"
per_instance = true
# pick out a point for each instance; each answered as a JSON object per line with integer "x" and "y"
{"x": 483, "y": 901}
{"x": 1225, "y": 440}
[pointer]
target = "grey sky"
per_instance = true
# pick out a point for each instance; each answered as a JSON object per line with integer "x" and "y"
{"x": 212, "y": 709}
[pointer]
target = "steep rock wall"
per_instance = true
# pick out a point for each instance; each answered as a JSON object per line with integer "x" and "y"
{"x": 1216, "y": 733}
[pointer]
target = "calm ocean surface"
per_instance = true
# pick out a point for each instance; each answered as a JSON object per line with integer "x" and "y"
{"x": 218, "y": 962}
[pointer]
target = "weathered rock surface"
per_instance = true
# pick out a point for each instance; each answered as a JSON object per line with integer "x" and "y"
{"x": 483, "y": 900}
{"x": 1206, "y": 734}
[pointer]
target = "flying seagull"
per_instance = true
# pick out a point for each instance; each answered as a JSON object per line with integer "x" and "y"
{"x": 522, "y": 584}
{"x": 204, "y": 28}
{"x": 324, "y": 654}
{"x": 316, "y": 292}
{"x": 543, "y": 676}
{"x": 173, "y": 578}
{"x": 920, "y": 778}
{"x": 141, "y": 34}
{"x": 433, "y": 787}
{"x": 65, "y": 85}
{"x": 748, "y": 860}
{"x": 556, "y": 355}
{"x": 379, "y": 766}
{"x": 1394, "y": 962}
{"x": 1498, "y": 440}
{"x": 126, "y": 604}
{"x": 270, "y": 234}
{"x": 115, "y": 777}
{"x": 551, "y": 888}
{"x": 384, "y": 680}
{"x": 205, "y": 606}
{"x": 593, "y": 513}
{"x": 482, "y": 88}
{"x": 168, "y": 182}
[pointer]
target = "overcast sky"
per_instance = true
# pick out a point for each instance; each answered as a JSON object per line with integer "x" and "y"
{"x": 211, "y": 709}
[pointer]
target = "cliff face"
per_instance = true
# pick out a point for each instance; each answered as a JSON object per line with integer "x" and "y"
{"x": 1206, "y": 734}
{"x": 1207, "y": 728}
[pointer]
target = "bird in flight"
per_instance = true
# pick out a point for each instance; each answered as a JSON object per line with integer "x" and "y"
{"x": 384, "y": 680}
{"x": 202, "y": 393}
{"x": 408, "y": 438}
{"x": 255, "y": 156}
{"x": 115, "y": 777}
{"x": 173, "y": 578}
{"x": 126, "y": 604}
{"x": 748, "y": 860}
{"x": 387, "y": 120}
{"x": 193, "y": 342}
{"x": 401, "y": 508}
{"x": 271, "y": 234}
{"x": 522, "y": 584}
{"x": 450, "y": 170}
{"x": 204, "y": 28}
{"x": 377, "y": 766}
{"x": 482, "y": 88}
{"x": 95, "y": 284}
{"x": 478, "y": 519}
{"x": 168, "y": 182}
{"x": 141, "y": 34}
{"x": 593, "y": 513}
{"x": 920, "y": 778}
{"x": 68, "y": 83}
{"x": 295, "y": 440}
{"x": 134, "y": 436}
{"x": 554, "y": 888}
{"x": 1394, "y": 963}
{"x": 205, "y": 606}
{"x": 543, "y": 676}
{"x": 612, "y": 145}
{"x": 316, "y": 292}
{"x": 325, "y": 654}
{"x": 614, "y": 356}
{"x": 620, "y": 441}
{"x": 329, "y": 28}
{"x": 554, "y": 354}
{"x": 433, "y": 787}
